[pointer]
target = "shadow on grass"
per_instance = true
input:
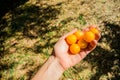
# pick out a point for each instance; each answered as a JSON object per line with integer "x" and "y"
{"x": 107, "y": 61}
{"x": 7, "y": 5}
{"x": 29, "y": 21}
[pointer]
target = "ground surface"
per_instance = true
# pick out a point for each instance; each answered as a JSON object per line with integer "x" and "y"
{"x": 29, "y": 30}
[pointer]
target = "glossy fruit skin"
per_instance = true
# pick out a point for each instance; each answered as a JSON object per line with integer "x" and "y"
{"x": 74, "y": 48}
{"x": 71, "y": 39}
{"x": 94, "y": 30}
{"x": 89, "y": 36}
{"x": 79, "y": 34}
{"x": 83, "y": 44}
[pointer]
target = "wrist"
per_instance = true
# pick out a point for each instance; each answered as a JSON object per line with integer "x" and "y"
{"x": 51, "y": 70}
{"x": 57, "y": 63}
{"x": 55, "y": 70}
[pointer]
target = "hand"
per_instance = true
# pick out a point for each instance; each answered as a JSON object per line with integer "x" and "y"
{"x": 65, "y": 57}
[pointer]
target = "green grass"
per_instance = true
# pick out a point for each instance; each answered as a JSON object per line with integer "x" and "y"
{"x": 29, "y": 32}
{"x": 82, "y": 20}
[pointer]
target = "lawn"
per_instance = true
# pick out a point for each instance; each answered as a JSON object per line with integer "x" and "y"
{"x": 30, "y": 28}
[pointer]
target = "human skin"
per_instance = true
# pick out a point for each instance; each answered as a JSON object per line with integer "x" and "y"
{"x": 62, "y": 59}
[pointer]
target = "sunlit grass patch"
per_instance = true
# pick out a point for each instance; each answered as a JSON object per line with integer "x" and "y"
{"x": 29, "y": 32}
{"x": 19, "y": 64}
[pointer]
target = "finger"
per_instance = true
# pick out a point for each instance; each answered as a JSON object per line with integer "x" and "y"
{"x": 75, "y": 59}
{"x": 97, "y": 36}
{"x": 93, "y": 43}
{"x": 88, "y": 28}
{"x": 93, "y": 26}
{"x": 73, "y": 31}
{"x": 82, "y": 54}
{"x": 91, "y": 46}
{"x": 85, "y": 30}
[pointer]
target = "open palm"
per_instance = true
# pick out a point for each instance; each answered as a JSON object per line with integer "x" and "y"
{"x": 62, "y": 53}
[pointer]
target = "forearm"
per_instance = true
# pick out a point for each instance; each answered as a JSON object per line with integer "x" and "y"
{"x": 51, "y": 70}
